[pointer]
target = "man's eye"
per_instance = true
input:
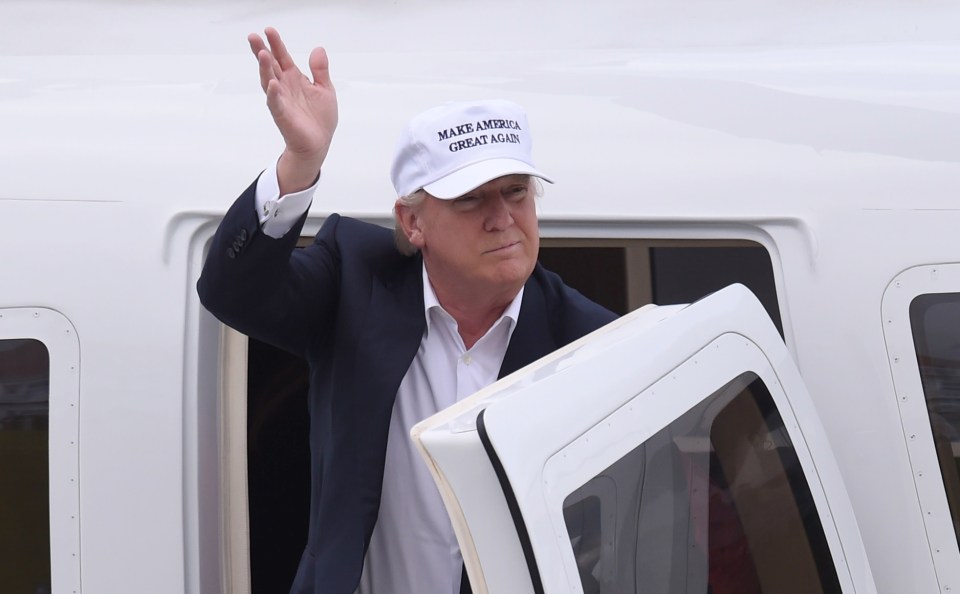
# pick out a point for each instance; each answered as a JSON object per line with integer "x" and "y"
{"x": 464, "y": 201}
{"x": 516, "y": 193}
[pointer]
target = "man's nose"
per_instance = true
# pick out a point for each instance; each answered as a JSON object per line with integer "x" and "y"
{"x": 498, "y": 215}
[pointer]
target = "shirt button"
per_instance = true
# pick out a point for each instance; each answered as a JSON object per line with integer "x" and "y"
{"x": 467, "y": 359}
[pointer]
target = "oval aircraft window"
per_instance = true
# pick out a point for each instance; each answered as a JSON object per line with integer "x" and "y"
{"x": 935, "y": 322}
{"x": 714, "y": 503}
{"x": 24, "y": 483}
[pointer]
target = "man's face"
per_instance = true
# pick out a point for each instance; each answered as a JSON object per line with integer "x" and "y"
{"x": 485, "y": 241}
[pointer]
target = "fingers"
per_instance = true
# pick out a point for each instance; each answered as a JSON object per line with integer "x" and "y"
{"x": 256, "y": 44}
{"x": 320, "y": 67}
{"x": 278, "y": 49}
{"x": 275, "y": 60}
{"x": 269, "y": 70}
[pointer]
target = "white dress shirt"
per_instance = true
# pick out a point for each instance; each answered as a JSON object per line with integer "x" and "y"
{"x": 413, "y": 548}
{"x": 279, "y": 213}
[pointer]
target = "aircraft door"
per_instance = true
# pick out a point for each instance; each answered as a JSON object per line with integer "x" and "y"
{"x": 675, "y": 450}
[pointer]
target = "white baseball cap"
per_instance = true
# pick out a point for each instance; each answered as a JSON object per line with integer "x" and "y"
{"x": 456, "y": 147}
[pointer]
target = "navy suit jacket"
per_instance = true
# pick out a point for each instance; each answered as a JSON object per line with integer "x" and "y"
{"x": 352, "y": 306}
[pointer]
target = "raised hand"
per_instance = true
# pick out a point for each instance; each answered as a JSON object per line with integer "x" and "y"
{"x": 304, "y": 110}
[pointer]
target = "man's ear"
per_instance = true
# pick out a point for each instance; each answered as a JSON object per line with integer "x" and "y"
{"x": 410, "y": 223}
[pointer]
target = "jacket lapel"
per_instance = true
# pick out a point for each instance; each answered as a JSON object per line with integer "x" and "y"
{"x": 531, "y": 338}
{"x": 396, "y": 303}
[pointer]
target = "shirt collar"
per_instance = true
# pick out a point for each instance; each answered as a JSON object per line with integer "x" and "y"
{"x": 430, "y": 301}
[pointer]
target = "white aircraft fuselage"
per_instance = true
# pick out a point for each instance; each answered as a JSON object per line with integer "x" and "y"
{"x": 826, "y": 137}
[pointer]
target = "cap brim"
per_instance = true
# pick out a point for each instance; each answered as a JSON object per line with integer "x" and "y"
{"x": 475, "y": 175}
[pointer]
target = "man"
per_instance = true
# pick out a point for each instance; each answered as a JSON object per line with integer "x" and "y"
{"x": 391, "y": 335}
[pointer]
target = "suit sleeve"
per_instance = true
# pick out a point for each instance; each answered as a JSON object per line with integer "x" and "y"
{"x": 266, "y": 288}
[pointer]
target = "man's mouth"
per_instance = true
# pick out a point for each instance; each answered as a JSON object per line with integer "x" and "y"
{"x": 503, "y": 247}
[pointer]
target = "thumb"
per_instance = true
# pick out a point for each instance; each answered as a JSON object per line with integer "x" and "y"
{"x": 320, "y": 67}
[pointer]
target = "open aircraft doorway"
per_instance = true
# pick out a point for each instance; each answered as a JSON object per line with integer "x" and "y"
{"x": 621, "y": 274}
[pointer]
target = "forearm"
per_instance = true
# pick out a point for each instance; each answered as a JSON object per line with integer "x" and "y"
{"x": 258, "y": 284}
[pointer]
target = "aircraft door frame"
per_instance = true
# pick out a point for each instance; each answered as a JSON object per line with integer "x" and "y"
{"x": 914, "y": 415}
{"x": 633, "y": 378}
{"x": 58, "y": 335}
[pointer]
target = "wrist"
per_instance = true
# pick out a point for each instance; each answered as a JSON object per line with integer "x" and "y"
{"x": 297, "y": 172}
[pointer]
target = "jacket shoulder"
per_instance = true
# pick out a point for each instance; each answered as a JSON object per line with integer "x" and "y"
{"x": 353, "y": 238}
{"x": 574, "y": 315}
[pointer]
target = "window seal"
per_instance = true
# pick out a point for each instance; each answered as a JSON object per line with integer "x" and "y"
{"x": 512, "y": 504}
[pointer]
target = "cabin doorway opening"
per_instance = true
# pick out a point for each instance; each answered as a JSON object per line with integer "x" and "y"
{"x": 620, "y": 274}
